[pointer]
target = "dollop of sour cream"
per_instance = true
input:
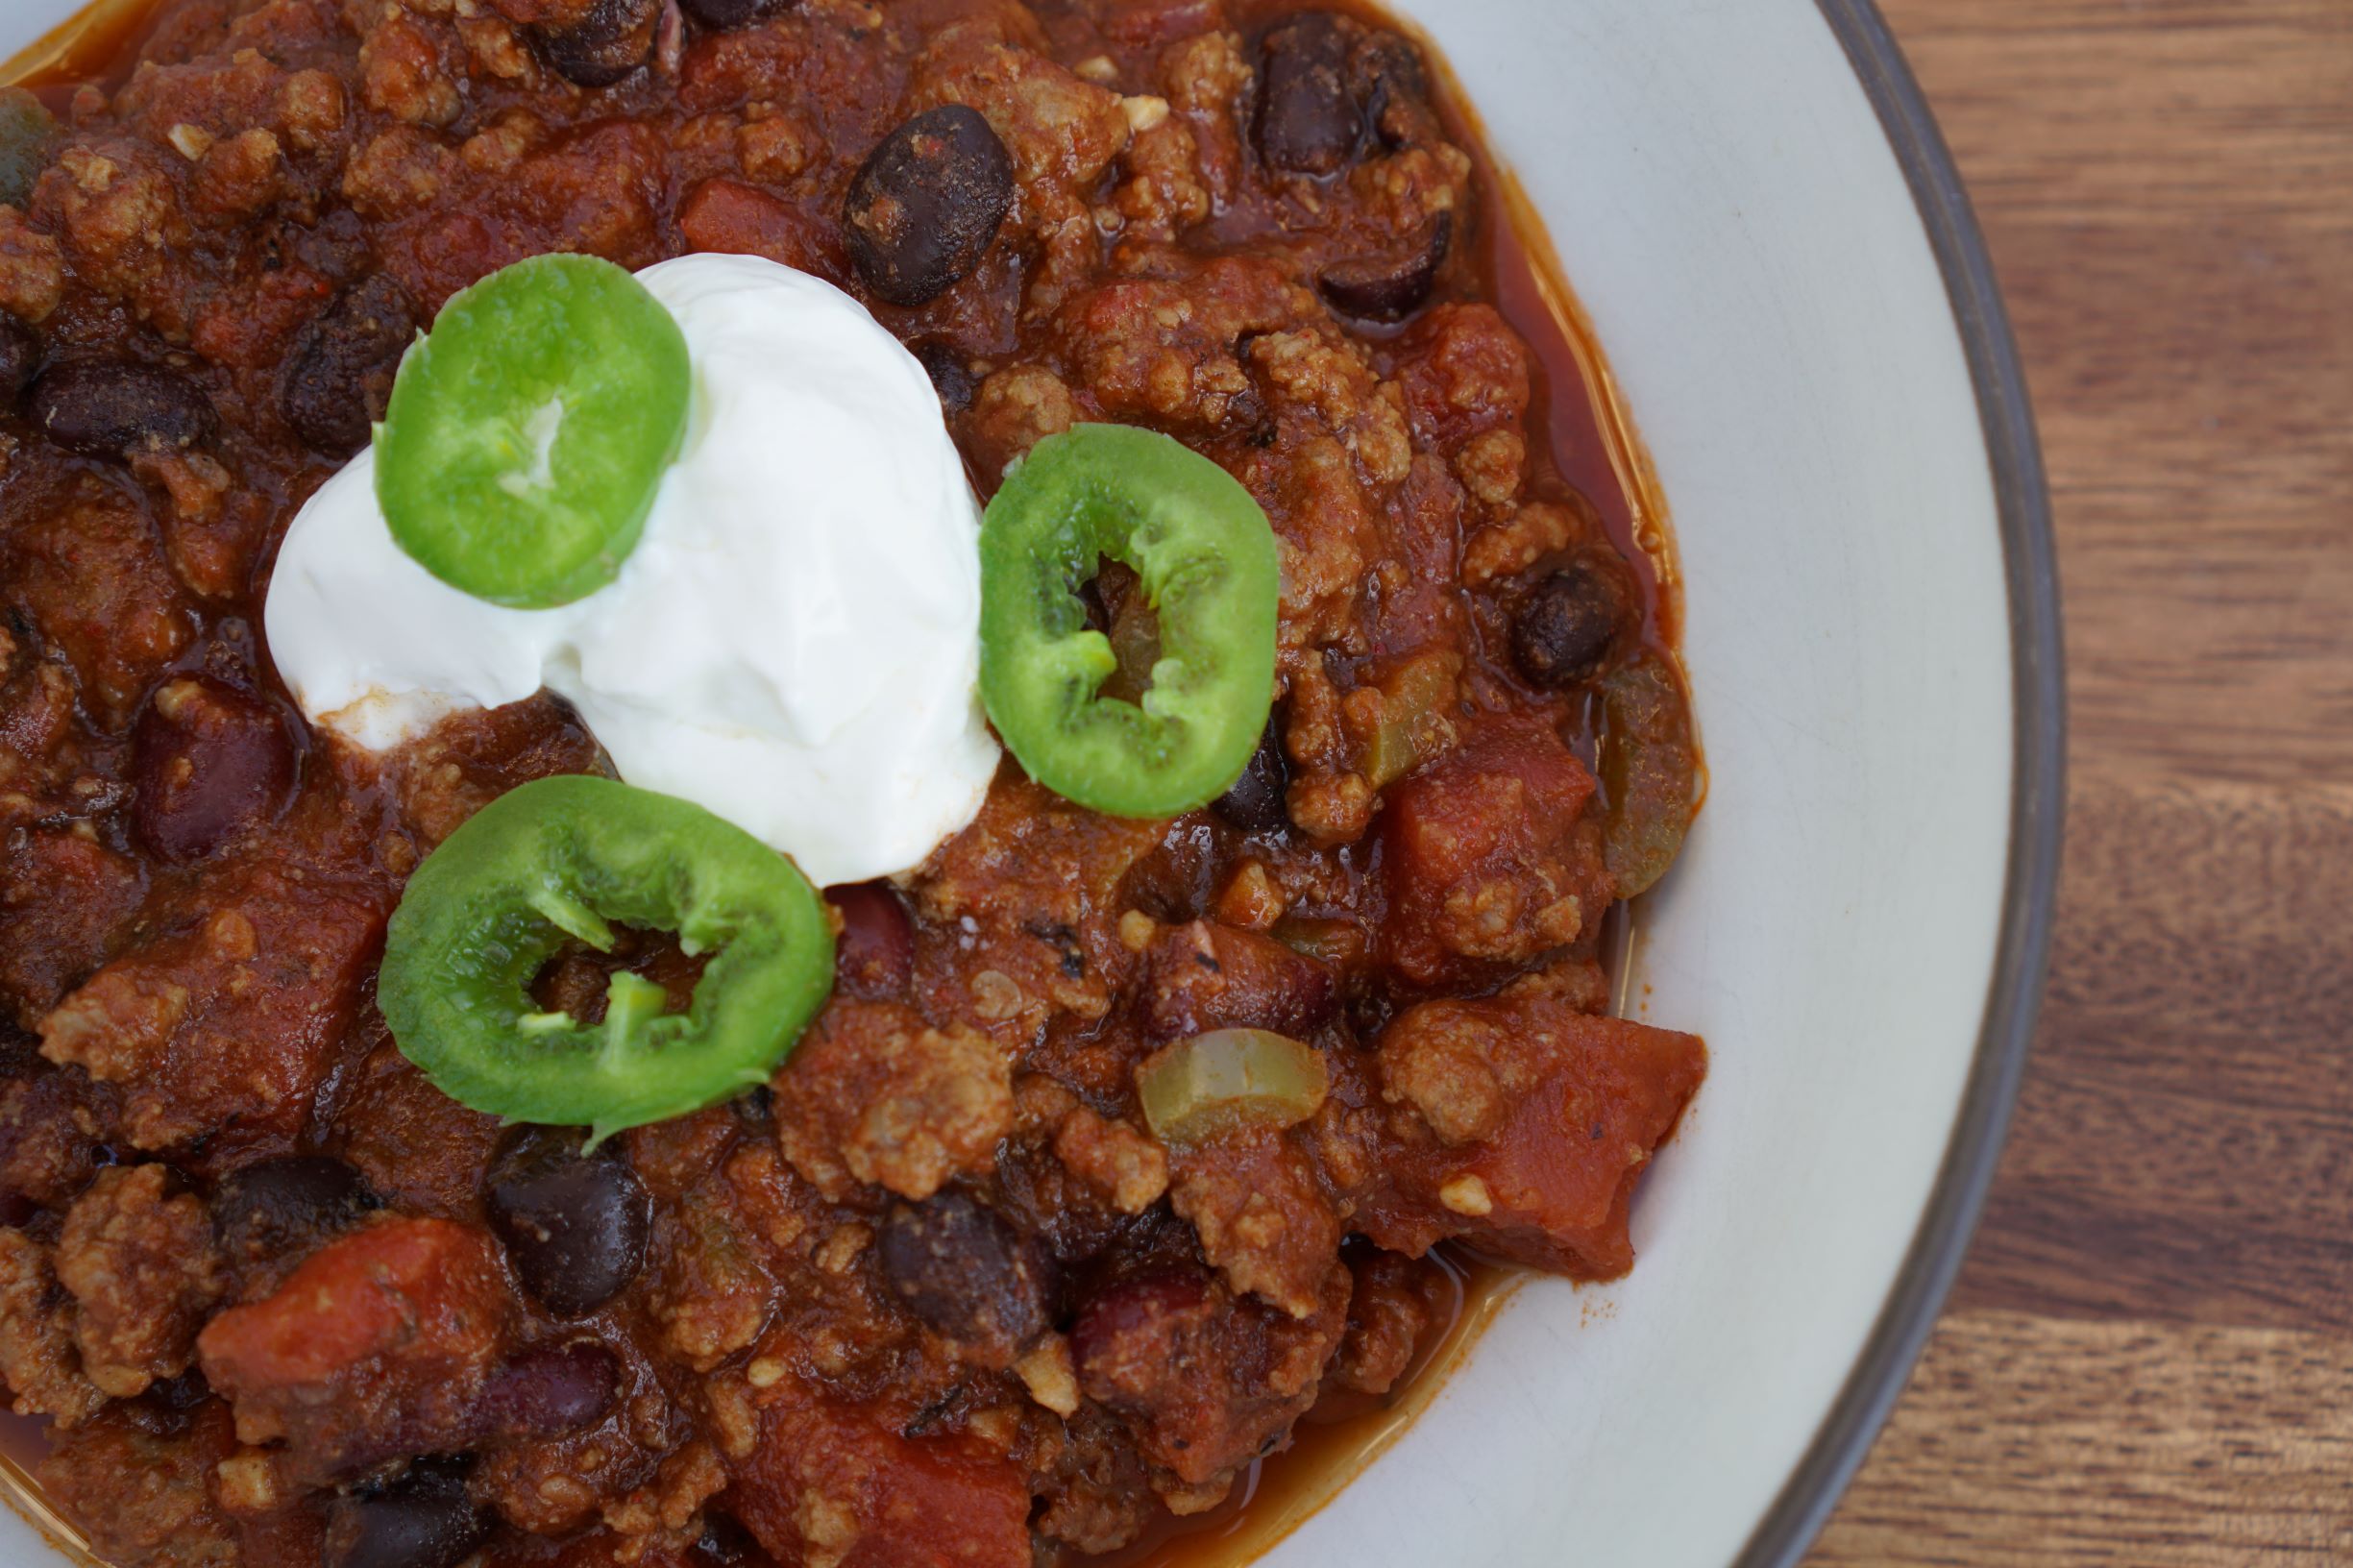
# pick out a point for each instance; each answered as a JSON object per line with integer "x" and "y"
{"x": 795, "y": 642}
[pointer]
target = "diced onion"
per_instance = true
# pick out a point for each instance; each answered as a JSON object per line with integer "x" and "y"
{"x": 1230, "y": 1080}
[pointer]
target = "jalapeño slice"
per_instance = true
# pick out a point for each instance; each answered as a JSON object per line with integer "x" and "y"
{"x": 1207, "y": 560}
{"x": 528, "y": 430}
{"x": 570, "y": 857}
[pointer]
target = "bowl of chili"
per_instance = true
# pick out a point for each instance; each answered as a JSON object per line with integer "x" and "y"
{"x": 1748, "y": 271}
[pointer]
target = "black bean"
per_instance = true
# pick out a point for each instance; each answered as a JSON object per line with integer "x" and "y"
{"x": 1308, "y": 120}
{"x": 1255, "y": 804}
{"x": 340, "y": 372}
{"x": 1393, "y": 283}
{"x": 423, "y": 1520}
{"x": 948, "y": 375}
{"x": 21, "y": 358}
{"x": 609, "y": 39}
{"x": 547, "y": 1390}
{"x": 574, "y": 1224}
{"x": 726, "y": 1544}
{"x": 112, "y": 408}
{"x": 286, "y": 1207}
{"x": 168, "y": 1409}
{"x": 209, "y": 764}
{"x": 721, "y": 15}
{"x": 1562, "y": 630}
{"x": 968, "y": 1274}
{"x": 755, "y": 1111}
{"x": 924, "y": 205}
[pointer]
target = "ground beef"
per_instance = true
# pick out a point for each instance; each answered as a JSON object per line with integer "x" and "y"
{"x": 37, "y": 1357}
{"x": 146, "y": 1496}
{"x": 877, "y": 1095}
{"x": 138, "y": 1260}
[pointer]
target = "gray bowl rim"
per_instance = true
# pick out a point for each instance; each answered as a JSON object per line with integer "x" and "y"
{"x": 2038, "y": 803}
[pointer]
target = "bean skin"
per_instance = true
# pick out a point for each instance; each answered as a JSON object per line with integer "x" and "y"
{"x": 574, "y": 1224}
{"x": 547, "y": 1390}
{"x": 288, "y": 1207}
{"x": 926, "y": 203}
{"x": 965, "y": 1272}
{"x": 720, "y": 16}
{"x": 1137, "y": 1325}
{"x": 1392, "y": 284}
{"x": 1564, "y": 628}
{"x": 1390, "y": 80}
{"x": 1308, "y": 120}
{"x": 423, "y": 1520}
{"x": 340, "y": 373}
{"x": 874, "y": 956}
{"x": 1255, "y": 804}
{"x": 112, "y": 408}
{"x": 610, "y": 39}
{"x": 209, "y": 764}
{"x": 21, "y": 359}
{"x": 948, "y": 375}
{"x": 725, "y": 1544}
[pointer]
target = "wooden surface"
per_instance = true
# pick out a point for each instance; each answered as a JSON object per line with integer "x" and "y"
{"x": 2148, "y": 1361}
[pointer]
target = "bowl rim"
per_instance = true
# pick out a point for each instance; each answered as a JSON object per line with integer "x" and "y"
{"x": 2038, "y": 802}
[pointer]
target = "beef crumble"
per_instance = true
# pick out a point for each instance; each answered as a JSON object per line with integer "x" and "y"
{"x": 938, "y": 1296}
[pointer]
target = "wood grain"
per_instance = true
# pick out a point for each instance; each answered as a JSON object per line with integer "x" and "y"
{"x": 2147, "y": 1445}
{"x": 2149, "y": 1357}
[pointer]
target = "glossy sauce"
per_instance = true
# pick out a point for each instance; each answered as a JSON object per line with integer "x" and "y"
{"x": 1591, "y": 439}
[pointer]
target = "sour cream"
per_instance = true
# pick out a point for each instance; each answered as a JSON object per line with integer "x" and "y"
{"x": 795, "y": 642}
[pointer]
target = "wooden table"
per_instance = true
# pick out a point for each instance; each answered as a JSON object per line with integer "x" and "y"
{"x": 2149, "y": 1357}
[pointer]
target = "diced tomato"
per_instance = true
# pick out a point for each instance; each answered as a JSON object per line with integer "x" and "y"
{"x": 730, "y": 216}
{"x": 1540, "y": 1118}
{"x": 378, "y": 1345}
{"x": 840, "y": 1480}
{"x": 1486, "y": 865}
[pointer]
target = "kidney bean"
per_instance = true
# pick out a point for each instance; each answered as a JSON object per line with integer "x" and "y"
{"x": 609, "y": 39}
{"x": 948, "y": 375}
{"x": 1255, "y": 804}
{"x": 968, "y": 1274}
{"x": 574, "y": 1224}
{"x": 423, "y": 1520}
{"x": 925, "y": 204}
{"x": 1395, "y": 284}
{"x": 875, "y": 955}
{"x": 21, "y": 358}
{"x": 1131, "y": 1331}
{"x": 1307, "y": 121}
{"x": 723, "y": 15}
{"x": 340, "y": 373}
{"x": 1203, "y": 976}
{"x": 210, "y": 762}
{"x": 288, "y": 1207}
{"x": 547, "y": 1390}
{"x": 112, "y": 408}
{"x": 1562, "y": 630}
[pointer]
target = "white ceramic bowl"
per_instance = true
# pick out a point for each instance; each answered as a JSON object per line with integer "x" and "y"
{"x": 1757, "y": 214}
